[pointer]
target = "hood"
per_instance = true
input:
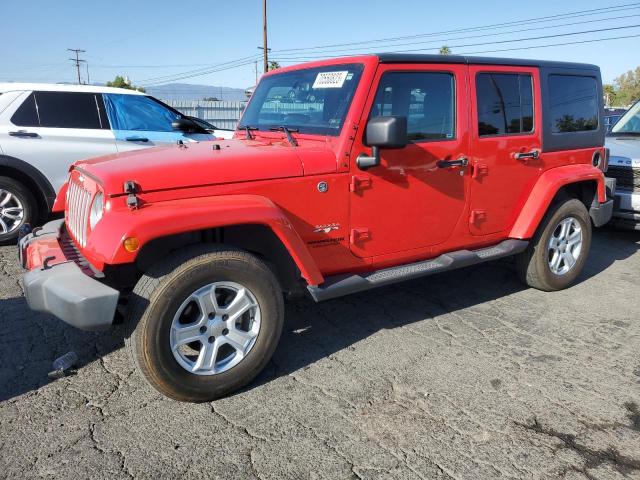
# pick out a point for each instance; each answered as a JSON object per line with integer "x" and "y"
{"x": 624, "y": 151}
{"x": 195, "y": 164}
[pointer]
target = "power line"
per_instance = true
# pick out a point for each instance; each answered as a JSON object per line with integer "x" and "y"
{"x": 213, "y": 70}
{"x": 445, "y": 41}
{"x": 197, "y": 71}
{"x": 545, "y": 19}
{"x": 495, "y": 42}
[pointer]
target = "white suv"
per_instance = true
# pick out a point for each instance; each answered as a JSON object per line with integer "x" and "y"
{"x": 44, "y": 128}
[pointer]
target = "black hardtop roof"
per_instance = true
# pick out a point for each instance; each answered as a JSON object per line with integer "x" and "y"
{"x": 470, "y": 60}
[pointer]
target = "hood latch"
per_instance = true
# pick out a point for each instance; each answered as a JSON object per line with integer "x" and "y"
{"x": 131, "y": 188}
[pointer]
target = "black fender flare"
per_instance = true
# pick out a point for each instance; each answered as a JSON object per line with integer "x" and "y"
{"x": 46, "y": 192}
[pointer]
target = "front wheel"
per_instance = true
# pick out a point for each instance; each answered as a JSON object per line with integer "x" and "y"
{"x": 17, "y": 207}
{"x": 205, "y": 322}
{"x": 558, "y": 251}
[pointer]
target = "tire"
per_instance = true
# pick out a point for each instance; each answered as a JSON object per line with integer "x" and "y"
{"x": 156, "y": 322}
{"x": 536, "y": 265}
{"x": 14, "y": 198}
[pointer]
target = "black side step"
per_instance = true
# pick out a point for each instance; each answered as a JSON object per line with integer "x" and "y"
{"x": 340, "y": 285}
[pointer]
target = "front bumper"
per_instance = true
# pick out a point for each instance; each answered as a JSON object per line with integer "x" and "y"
{"x": 58, "y": 283}
{"x": 626, "y": 210}
{"x": 601, "y": 213}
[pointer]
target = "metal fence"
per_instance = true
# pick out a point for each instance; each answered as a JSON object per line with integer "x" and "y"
{"x": 221, "y": 114}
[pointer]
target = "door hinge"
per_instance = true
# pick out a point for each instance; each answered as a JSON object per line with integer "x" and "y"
{"x": 359, "y": 235}
{"x": 359, "y": 182}
{"x": 477, "y": 216}
{"x": 480, "y": 170}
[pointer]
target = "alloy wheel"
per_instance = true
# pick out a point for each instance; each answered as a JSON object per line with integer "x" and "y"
{"x": 215, "y": 328}
{"x": 565, "y": 246}
{"x": 11, "y": 212}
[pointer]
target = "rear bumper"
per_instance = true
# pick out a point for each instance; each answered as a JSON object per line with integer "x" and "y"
{"x": 57, "y": 283}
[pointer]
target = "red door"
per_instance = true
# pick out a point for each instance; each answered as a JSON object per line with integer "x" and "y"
{"x": 506, "y": 131}
{"x": 408, "y": 201}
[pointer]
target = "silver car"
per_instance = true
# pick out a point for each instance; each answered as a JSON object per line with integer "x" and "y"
{"x": 624, "y": 165}
{"x": 44, "y": 128}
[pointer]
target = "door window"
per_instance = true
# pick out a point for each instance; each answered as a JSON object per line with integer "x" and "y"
{"x": 505, "y": 103}
{"x": 59, "y": 110}
{"x": 426, "y": 99}
{"x": 139, "y": 113}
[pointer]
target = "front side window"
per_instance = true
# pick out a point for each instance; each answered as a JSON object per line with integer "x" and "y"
{"x": 629, "y": 123}
{"x": 505, "y": 103}
{"x": 313, "y": 100}
{"x": 574, "y": 104}
{"x": 427, "y": 99}
{"x": 59, "y": 110}
{"x": 139, "y": 113}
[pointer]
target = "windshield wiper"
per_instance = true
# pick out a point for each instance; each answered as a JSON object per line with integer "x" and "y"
{"x": 287, "y": 131}
{"x": 247, "y": 129}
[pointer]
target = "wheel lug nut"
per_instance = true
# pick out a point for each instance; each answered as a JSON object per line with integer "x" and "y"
{"x": 225, "y": 317}
{"x": 225, "y": 331}
{"x": 203, "y": 329}
{"x": 211, "y": 339}
{"x": 212, "y": 315}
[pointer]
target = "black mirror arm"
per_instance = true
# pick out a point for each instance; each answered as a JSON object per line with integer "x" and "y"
{"x": 365, "y": 162}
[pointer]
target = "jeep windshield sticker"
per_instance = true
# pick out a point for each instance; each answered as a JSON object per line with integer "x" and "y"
{"x": 330, "y": 79}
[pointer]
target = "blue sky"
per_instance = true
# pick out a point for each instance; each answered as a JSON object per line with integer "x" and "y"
{"x": 147, "y": 40}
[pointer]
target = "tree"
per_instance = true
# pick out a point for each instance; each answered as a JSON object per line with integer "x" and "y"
{"x": 444, "y": 50}
{"x": 124, "y": 82}
{"x": 273, "y": 65}
{"x": 211, "y": 99}
{"x": 625, "y": 89}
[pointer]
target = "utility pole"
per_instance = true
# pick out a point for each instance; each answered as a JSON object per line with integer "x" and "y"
{"x": 77, "y": 60}
{"x": 264, "y": 36}
{"x": 86, "y": 64}
{"x": 255, "y": 68}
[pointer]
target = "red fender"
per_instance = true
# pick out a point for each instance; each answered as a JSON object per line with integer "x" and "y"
{"x": 61, "y": 199}
{"x": 546, "y": 188}
{"x": 104, "y": 244}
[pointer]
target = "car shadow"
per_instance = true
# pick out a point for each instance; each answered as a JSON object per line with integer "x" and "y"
{"x": 31, "y": 341}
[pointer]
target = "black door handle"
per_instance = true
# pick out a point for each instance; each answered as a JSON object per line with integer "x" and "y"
{"x": 460, "y": 162}
{"x": 23, "y": 133}
{"x": 137, "y": 139}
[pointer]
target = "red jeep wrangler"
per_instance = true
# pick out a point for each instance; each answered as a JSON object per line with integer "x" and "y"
{"x": 343, "y": 175}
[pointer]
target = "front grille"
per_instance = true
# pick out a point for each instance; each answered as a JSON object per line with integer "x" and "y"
{"x": 626, "y": 178}
{"x": 78, "y": 203}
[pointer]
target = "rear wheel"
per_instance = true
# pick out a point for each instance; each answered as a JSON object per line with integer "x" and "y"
{"x": 17, "y": 207}
{"x": 205, "y": 322}
{"x": 559, "y": 249}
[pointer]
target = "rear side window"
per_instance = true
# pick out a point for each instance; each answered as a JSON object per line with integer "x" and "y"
{"x": 426, "y": 99}
{"x": 505, "y": 103}
{"x": 59, "y": 110}
{"x": 138, "y": 112}
{"x": 27, "y": 114}
{"x": 573, "y": 103}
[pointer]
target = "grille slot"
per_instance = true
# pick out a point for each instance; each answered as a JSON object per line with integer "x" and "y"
{"x": 627, "y": 178}
{"x": 78, "y": 204}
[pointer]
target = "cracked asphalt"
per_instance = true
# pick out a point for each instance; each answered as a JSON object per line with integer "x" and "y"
{"x": 465, "y": 375}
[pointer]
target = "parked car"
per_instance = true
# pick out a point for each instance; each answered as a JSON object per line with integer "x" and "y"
{"x": 402, "y": 166}
{"x": 611, "y": 116}
{"x": 212, "y": 129}
{"x": 45, "y": 128}
{"x": 624, "y": 165}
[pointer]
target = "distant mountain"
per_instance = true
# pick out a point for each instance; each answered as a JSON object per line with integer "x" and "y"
{"x": 187, "y": 91}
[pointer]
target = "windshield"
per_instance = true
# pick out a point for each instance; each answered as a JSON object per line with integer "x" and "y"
{"x": 313, "y": 100}
{"x": 629, "y": 123}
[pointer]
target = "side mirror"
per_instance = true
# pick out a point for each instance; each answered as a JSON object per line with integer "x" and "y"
{"x": 383, "y": 132}
{"x": 184, "y": 125}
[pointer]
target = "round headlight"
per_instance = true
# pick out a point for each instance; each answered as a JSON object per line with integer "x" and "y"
{"x": 97, "y": 209}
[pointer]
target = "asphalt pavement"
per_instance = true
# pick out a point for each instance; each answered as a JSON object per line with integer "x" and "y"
{"x": 465, "y": 375}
